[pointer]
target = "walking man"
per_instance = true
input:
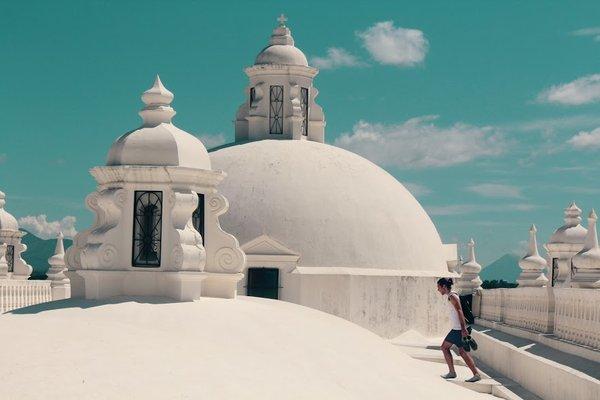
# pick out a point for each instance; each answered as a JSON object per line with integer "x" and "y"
{"x": 458, "y": 332}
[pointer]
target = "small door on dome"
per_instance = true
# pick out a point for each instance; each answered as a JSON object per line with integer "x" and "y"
{"x": 263, "y": 282}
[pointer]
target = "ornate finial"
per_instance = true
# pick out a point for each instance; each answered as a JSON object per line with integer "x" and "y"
{"x": 282, "y": 20}
{"x": 57, "y": 261}
{"x": 532, "y": 264}
{"x": 2, "y": 200}
{"x": 469, "y": 280}
{"x": 572, "y": 215}
{"x": 471, "y": 245}
{"x": 593, "y": 215}
{"x": 157, "y": 99}
{"x": 533, "y": 250}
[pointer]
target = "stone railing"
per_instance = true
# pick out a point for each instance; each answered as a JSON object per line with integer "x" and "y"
{"x": 491, "y": 304}
{"x": 23, "y": 293}
{"x": 527, "y": 308}
{"x": 568, "y": 313}
{"x": 577, "y": 316}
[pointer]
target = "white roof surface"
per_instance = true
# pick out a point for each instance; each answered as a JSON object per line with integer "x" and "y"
{"x": 247, "y": 348}
{"x": 331, "y": 206}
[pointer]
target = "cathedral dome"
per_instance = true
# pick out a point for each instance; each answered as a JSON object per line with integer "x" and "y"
{"x": 7, "y": 221}
{"x": 281, "y": 49}
{"x": 158, "y": 142}
{"x": 282, "y": 55}
{"x": 331, "y": 206}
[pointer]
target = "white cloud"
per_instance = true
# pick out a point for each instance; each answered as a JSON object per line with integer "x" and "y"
{"x": 211, "y": 141}
{"x": 416, "y": 189}
{"x": 460, "y": 209}
{"x": 593, "y": 32}
{"x": 584, "y": 90}
{"x": 41, "y": 227}
{"x": 394, "y": 46}
{"x": 336, "y": 57}
{"x": 586, "y": 140}
{"x": 419, "y": 143}
{"x": 496, "y": 190}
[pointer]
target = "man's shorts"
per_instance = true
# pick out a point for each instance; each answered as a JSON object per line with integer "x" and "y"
{"x": 455, "y": 337}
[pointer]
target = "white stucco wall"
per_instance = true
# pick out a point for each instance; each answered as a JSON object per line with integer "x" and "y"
{"x": 386, "y": 304}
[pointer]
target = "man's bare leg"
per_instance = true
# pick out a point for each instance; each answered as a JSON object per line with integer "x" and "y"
{"x": 449, "y": 361}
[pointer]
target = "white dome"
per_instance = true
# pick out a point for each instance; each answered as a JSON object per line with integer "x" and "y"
{"x": 282, "y": 55}
{"x": 164, "y": 144}
{"x": 571, "y": 232}
{"x": 158, "y": 142}
{"x": 246, "y": 348}
{"x": 7, "y": 221}
{"x": 281, "y": 49}
{"x": 333, "y": 207}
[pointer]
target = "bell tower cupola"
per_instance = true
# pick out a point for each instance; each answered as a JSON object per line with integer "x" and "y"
{"x": 280, "y": 99}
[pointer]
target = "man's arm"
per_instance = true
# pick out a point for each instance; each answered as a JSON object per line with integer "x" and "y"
{"x": 461, "y": 316}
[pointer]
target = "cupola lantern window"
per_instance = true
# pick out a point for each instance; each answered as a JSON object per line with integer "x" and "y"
{"x": 276, "y": 110}
{"x": 147, "y": 229}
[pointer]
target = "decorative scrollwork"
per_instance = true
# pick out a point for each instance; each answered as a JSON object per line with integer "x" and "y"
{"x": 229, "y": 259}
{"x": 108, "y": 255}
{"x": 92, "y": 201}
{"x": 120, "y": 197}
{"x": 217, "y": 203}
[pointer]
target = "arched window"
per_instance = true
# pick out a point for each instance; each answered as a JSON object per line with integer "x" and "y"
{"x": 276, "y": 110}
{"x": 198, "y": 217}
{"x": 304, "y": 108}
{"x": 10, "y": 257}
{"x": 252, "y": 97}
{"x": 147, "y": 228}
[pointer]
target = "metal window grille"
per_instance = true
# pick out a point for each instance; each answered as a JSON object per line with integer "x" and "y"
{"x": 252, "y": 96}
{"x": 147, "y": 228}
{"x": 276, "y": 110}
{"x": 10, "y": 257}
{"x": 198, "y": 217}
{"x": 304, "y": 107}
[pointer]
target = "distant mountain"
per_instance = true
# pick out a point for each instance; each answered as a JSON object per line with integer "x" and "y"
{"x": 38, "y": 252}
{"x": 506, "y": 267}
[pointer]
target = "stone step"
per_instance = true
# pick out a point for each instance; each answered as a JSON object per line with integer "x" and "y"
{"x": 539, "y": 369}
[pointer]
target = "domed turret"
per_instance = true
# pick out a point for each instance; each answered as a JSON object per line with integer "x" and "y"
{"x": 281, "y": 49}
{"x": 7, "y": 221}
{"x": 564, "y": 243}
{"x": 281, "y": 97}
{"x": 158, "y": 141}
{"x": 10, "y": 235}
{"x": 156, "y": 230}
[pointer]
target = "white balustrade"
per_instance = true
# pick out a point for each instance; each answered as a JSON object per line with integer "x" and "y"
{"x": 527, "y": 308}
{"x": 491, "y": 304}
{"x": 18, "y": 293}
{"x": 577, "y": 316}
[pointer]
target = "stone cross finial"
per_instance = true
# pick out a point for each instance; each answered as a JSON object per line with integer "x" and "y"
{"x": 282, "y": 20}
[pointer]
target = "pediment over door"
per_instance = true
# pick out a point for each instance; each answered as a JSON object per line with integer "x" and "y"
{"x": 265, "y": 247}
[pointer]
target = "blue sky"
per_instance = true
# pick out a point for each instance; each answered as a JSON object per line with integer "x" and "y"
{"x": 489, "y": 111}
